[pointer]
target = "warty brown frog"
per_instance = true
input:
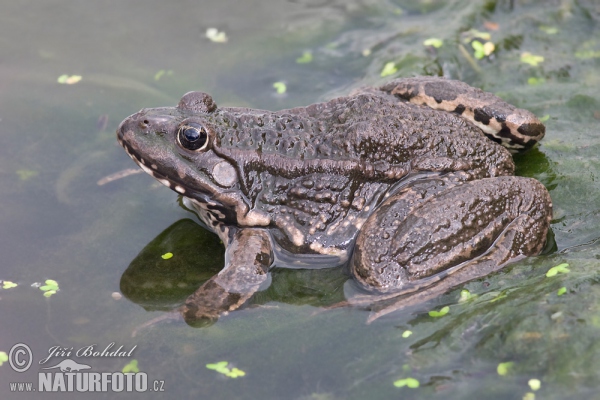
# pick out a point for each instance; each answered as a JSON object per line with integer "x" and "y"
{"x": 410, "y": 184}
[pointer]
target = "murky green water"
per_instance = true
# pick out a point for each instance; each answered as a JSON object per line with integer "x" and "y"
{"x": 57, "y": 141}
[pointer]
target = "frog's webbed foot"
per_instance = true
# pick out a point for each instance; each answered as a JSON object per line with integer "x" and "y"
{"x": 460, "y": 234}
{"x": 247, "y": 260}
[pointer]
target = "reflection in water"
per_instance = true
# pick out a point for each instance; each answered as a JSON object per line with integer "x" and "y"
{"x": 192, "y": 273}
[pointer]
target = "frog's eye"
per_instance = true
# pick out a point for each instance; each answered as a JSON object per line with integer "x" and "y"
{"x": 192, "y": 136}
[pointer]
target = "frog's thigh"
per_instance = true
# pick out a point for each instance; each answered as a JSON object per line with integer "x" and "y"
{"x": 247, "y": 259}
{"x": 498, "y": 218}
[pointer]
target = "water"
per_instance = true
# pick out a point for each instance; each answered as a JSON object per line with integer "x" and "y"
{"x": 57, "y": 141}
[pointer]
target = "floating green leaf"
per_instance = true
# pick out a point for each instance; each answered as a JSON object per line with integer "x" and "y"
{"x": 561, "y": 291}
{"x": 504, "y": 368}
{"x": 8, "y": 285}
{"x": 531, "y": 59}
{"x": 550, "y": 30}
{"x": 69, "y": 80}
{"x": 3, "y": 357}
{"x": 545, "y": 118}
{"x": 162, "y": 73}
{"x": 305, "y": 58}
{"x": 280, "y": 87}
{"x": 406, "y": 334}
{"x": 50, "y": 288}
{"x": 534, "y": 384}
{"x": 389, "y": 69}
{"x": 131, "y": 367}
{"x": 214, "y": 35}
{"x": 236, "y": 373}
{"x": 464, "y": 296}
{"x": 440, "y": 313}
{"x": 482, "y": 49}
{"x": 25, "y": 174}
{"x": 166, "y": 256}
{"x": 560, "y": 268}
{"x": 535, "y": 81}
{"x": 587, "y": 54}
{"x": 433, "y": 42}
{"x": 221, "y": 367}
{"x": 409, "y": 382}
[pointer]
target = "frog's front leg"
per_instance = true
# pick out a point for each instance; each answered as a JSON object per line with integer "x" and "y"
{"x": 463, "y": 233}
{"x": 248, "y": 257}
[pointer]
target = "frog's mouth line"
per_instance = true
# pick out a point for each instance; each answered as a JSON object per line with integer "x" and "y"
{"x": 171, "y": 183}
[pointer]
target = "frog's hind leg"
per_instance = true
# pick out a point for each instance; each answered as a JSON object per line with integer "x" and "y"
{"x": 512, "y": 127}
{"x": 247, "y": 260}
{"x": 461, "y": 234}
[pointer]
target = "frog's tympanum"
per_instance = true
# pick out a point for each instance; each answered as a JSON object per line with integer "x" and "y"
{"x": 410, "y": 184}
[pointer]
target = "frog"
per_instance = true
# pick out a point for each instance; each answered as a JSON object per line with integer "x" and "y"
{"x": 409, "y": 186}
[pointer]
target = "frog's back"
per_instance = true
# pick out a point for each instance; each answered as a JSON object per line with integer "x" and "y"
{"x": 366, "y": 128}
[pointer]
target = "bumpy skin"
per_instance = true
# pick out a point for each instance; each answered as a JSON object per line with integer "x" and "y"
{"x": 425, "y": 191}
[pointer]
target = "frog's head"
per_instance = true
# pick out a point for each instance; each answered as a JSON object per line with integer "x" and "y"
{"x": 179, "y": 147}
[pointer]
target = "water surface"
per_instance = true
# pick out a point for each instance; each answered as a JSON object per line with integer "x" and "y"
{"x": 57, "y": 141}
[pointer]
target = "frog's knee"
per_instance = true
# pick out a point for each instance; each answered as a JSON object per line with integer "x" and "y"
{"x": 453, "y": 227}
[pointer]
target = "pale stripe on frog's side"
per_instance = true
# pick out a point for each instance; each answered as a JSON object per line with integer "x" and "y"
{"x": 314, "y": 182}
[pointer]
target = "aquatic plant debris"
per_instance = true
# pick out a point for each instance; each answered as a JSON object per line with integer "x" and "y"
{"x": 588, "y": 50}
{"x": 408, "y": 382}
{"x": 531, "y": 59}
{"x": 482, "y": 49}
{"x": 433, "y": 42}
{"x": 440, "y": 313}
{"x": 8, "y": 285}
{"x": 406, "y": 334}
{"x": 221, "y": 367}
{"x": 25, "y": 174}
{"x": 465, "y": 295}
{"x": 166, "y": 256}
{"x": 162, "y": 73}
{"x": 305, "y": 58}
{"x": 3, "y": 357}
{"x": 389, "y": 69}
{"x": 559, "y": 269}
{"x": 69, "y": 80}
{"x": 535, "y": 81}
{"x": 214, "y": 35}
{"x": 504, "y": 368}
{"x": 561, "y": 291}
{"x": 50, "y": 288}
{"x": 131, "y": 367}
{"x": 534, "y": 384}
{"x": 550, "y": 30}
{"x": 545, "y": 118}
{"x": 499, "y": 296}
{"x": 475, "y": 34}
{"x": 529, "y": 396}
{"x": 280, "y": 87}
